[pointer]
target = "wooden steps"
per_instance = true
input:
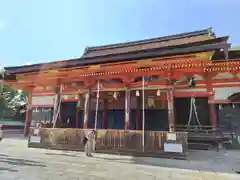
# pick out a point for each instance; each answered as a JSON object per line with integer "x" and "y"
{"x": 199, "y": 146}
{"x": 205, "y": 137}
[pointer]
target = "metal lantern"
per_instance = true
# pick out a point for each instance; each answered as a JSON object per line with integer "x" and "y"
{"x": 137, "y": 93}
{"x": 191, "y": 82}
{"x": 115, "y": 95}
{"x": 76, "y": 96}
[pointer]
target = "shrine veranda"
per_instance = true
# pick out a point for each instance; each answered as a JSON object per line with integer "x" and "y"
{"x": 141, "y": 97}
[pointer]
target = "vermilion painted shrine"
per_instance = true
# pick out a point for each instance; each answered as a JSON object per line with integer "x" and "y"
{"x": 150, "y": 96}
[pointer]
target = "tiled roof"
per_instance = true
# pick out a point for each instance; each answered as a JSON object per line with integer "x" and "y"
{"x": 197, "y": 41}
{"x": 147, "y": 44}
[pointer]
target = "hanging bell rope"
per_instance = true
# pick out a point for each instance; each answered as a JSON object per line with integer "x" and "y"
{"x": 57, "y": 106}
{"x": 97, "y": 104}
{"x": 193, "y": 109}
{"x": 143, "y": 114}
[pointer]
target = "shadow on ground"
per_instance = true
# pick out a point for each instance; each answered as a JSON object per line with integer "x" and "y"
{"x": 3, "y": 155}
{"x": 176, "y": 164}
{"x": 20, "y": 162}
{"x": 8, "y": 169}
{"x": 61, "y": 154}
{"x": 208, "y": 161}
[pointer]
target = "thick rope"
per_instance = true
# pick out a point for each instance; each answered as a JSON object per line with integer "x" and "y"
{"x": 97, "y": 105}
{"x": 193, "y": 107}
{"x": 143, "y": 114}
{"x": 190, "y": 113}
{"x": 195, "y": 111}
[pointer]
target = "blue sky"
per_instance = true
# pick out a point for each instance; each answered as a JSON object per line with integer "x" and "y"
{"x": 33, "y": 31}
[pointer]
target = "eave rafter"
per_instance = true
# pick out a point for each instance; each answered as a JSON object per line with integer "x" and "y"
{"x": 63, "y": 74}
{"x": 126, "y": 72}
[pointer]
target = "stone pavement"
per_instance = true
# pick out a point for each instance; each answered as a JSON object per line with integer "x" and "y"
{"x": 17, "y": 162}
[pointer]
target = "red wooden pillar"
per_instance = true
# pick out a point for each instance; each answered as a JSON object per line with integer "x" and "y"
{"x": 28, "y": 114}
{"x": 213, "y": 116}
{"x": 171, "y": 119}
{"x": 212, "y": 112}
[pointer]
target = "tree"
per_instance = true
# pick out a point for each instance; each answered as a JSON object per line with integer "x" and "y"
{"x": 10, "y": 100}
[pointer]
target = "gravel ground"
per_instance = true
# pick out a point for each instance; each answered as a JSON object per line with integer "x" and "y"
{"x": 17, "y": 162}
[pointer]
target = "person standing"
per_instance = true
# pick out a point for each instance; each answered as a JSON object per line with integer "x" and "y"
{"x": 89, "y": 143}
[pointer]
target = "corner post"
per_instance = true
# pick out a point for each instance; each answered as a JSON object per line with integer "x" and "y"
{"x": 28, "y": 114}
{"x": 171, "y": 118}
{"x": 213, "y": 116}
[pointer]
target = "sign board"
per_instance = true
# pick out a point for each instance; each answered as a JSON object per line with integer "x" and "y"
{"x": 36, "y": 132}
{"x": 35, "y": 139}
{"x": 171, "y": 147}
{"x": 171, "y": 137}
{"x": 42, "y": 100}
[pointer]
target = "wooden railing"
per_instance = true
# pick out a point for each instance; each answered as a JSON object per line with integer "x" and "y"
{"x": 129, "y": 141}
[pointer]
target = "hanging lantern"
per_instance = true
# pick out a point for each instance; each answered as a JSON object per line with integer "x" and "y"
{"x": 233, "y": 106}
{"x": 115, "y": 95}
{"x": 54, "y": 90}
{"x": 78, "y": 103}
{"x": 36, "y": 110}
{"x": 76, "y": 96}
{"x": 214, "y": 91}
{"x": 137, "y": 93}
{"x": 220, "y": 106}
{"x": 158, "y": 92}
{"x": 191, "y": 82}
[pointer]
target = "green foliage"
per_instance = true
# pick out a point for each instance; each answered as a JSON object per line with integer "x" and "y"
{"x": 10, "y": 99}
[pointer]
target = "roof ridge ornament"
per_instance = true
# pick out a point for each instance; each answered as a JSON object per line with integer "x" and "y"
{"x": 152, "y": 40}
{"x": 85, "y": 50}
{"x": 2, "y": 72}
{"x": 210, "y": 31}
